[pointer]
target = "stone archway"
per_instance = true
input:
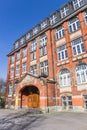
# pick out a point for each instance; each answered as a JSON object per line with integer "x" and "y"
{"x": 30, "y": 97}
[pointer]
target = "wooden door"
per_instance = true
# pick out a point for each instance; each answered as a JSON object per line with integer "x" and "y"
{"x": 33, "y": 101}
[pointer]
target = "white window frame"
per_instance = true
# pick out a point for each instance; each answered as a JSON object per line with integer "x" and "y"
{"x": 77, "y": 4}
{"x": 12, "y": 72}
{"x": 16, "y": 45}
{"x": 43, "y": 24}
{"x": 24, "y": 65}
{"x": 43, "y": 40}
{"x": 81, "y": 74}
{"x": 74, "y": 24}
{"x": 85, "y": 16}
{"x": 64, "y": 78}
{"x": 28, "y": 35}
{"x": 33, "y": 55}
{"x": 66, "y": 101}
{"x": 18, "y": 56}
{"x": 33, "y": 69}
{"x": 64, "y": 11}
{"x": 33, "y": 50}
{"x": 62, "y": 53}
{"x": 43, "y": 45}
{"x": 33, "y": 46}
{"x": 59, "y": 33}
{"x": 22, "y": 41}
{"x": 12, "y": 59}
{"x": 44, "y": 67}
{"x": 35, "y": 30}
{"x": 78, "y": 46}
{"x": 17, "y": 70}
{"x": 53, "y": 19}
{"x": 43, "y": 51}
{"x": 24, "y": 52}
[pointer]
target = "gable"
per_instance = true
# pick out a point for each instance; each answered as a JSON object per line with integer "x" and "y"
{"x": 27, "y": 78}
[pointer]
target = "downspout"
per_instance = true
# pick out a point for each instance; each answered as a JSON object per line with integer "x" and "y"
{"x": 53, "y": 63}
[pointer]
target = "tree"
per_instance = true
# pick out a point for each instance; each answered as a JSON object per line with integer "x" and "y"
{"x": 2, "y": 93}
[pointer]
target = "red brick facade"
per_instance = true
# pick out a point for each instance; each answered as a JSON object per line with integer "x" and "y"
{"x": 38, "y": 92}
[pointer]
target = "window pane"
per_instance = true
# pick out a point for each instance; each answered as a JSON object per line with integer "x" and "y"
{"x": 81, "y": 73}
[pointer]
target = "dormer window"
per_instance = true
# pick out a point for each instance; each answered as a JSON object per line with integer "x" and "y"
{"x": 35, "y": 30}
{"x": 64, "y": 11}
{"x": 77, "y": 4}
{"x": 43, "y": 24}
{"x": 28, "y": 36}
{"x": 16, "y": 45}
{"x": 53, "y": 19}
{"x": 22, "y": 41}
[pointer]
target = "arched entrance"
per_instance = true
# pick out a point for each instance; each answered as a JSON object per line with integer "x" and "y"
{"x": 30, "y": 97}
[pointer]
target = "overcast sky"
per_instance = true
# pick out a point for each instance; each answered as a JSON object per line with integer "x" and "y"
{"x": 16, "y": 18}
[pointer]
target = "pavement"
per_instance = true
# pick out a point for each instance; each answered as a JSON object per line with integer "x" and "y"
{"x": 24, "y": 120}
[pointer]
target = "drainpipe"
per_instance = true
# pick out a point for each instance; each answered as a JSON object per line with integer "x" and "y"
{"x": 53, "y": 62}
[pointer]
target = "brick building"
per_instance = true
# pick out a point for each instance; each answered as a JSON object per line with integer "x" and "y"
{"x": 47, "y": 67}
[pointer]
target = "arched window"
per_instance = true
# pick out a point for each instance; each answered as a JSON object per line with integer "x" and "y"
{"x": 81, "y": 73}
{"x": 64, "y": 78}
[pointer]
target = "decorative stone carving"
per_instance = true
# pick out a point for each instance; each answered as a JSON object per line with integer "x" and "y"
{"x": 28, "y": 78}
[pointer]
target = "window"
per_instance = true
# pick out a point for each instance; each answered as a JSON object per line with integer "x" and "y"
{"x": 85, "y": 15}
{"x": 43, "y": 45}
{"x": 18, "y": 56}
{"x": 24, "y": 52}
{"x": 10, "y": 89}
{"x": 22, "y": 41}
{"x": 24, "y": 67}
{"x": 85, "y": 101}
{"x": 59, "y": 32}
{"x": 44, "y": 67}
{"x": 81, "y": 74}
{"x": 74, "y": 25}
{"x": 53, "y": 19}
{"x": 64, "y": 11}
{"x": 62, "y": 53}
{"x": 64, "y": 78}
{"x": 12, "y": 59}
{"x": 43, "y": 24}
{"x": 67, "y": 102}
{"x": 17, "y": 70}
{"x": 78, "y": 46}
{"x": 33, "y": 50}
{"x": 35, "y": 30}
{"x": 43, "y": 51}
{"x": 33, "y": 55}
{"x": 33, "y": 69}
{"x": 16, "y": 45}
{"x": 77, "y": 4}
{"x": 12, "y": 72}
{"x": 28, "y": 36}
{"x": 33, "y": 46}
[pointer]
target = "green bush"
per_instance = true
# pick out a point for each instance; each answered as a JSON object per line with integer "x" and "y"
{"x": 2, "y": 102}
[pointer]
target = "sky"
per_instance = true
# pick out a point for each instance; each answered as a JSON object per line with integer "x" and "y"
{"x": 16, "y": 18}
